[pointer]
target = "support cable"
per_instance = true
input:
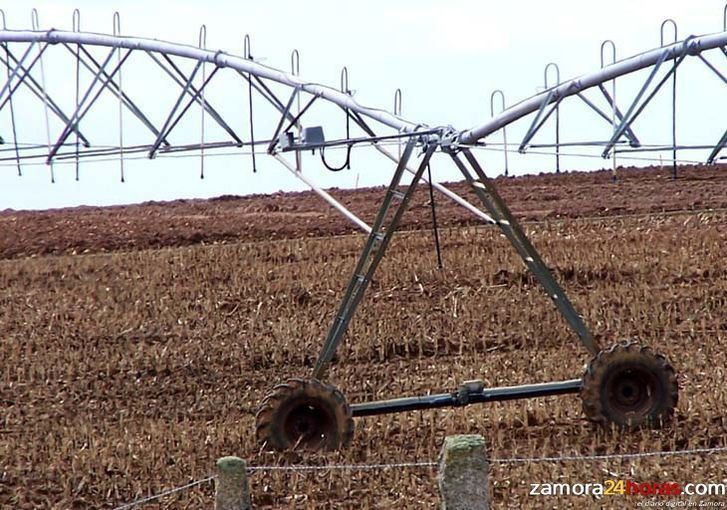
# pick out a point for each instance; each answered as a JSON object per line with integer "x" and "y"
{"x": 202, "y": 45}
{"x": 347, "y": 91}
{"x": 168, "y": 492}
{"x": 248, "y": 56}
{"x": 12, "y": 109}
{"x": 77, "y": 28}
{"x": 504, "y": 128}
{"x": 434, "y": 218}
{"x": 557, "y": 111}
{"x": 35, "y": 25}
{"x": 117, "y": 31}
{"x": 615, "y": 114}
{"x": 347, "y": 161}
{"x": 673, "y": 97}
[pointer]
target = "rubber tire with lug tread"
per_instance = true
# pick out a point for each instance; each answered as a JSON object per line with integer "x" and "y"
{"x": 304, "y": 414}
{"x": 629, "y": 385}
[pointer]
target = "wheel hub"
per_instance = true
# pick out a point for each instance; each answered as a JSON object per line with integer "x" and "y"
{"x": 631, "y": 390}
{"x": 304, "y": 414}
{"x": 629, "y": 385}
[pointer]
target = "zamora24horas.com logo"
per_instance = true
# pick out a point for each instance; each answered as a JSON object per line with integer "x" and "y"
{"x": 630, "y": 488}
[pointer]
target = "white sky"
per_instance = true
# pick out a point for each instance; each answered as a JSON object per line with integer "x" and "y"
{"x": 447, "y": 57}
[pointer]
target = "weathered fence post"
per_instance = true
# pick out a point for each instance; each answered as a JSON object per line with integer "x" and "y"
{"x": 463, "y": 473}
{"x": 232, "y": 491}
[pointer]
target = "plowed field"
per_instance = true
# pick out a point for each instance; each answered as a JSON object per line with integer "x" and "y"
{"x": 136, "y": 342}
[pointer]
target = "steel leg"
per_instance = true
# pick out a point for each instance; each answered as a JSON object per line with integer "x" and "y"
{"x": 485, "y": 189}
{"x": 373, "y": 252}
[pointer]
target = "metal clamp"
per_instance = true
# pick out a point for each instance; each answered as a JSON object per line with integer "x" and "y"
{"x": 467, "y": 389}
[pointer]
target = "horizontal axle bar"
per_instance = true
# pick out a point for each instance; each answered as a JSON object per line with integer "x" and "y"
{"x": 469, "y": 393}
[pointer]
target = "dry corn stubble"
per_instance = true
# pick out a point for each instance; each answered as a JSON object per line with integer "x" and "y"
{"x": 127, "y": 373}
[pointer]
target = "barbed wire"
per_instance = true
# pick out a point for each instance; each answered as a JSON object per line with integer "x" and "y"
{"x": 344, "y": 467}
{"x": 610, "y": 456}
{"x": 168, "y": 492}
{"x": 490, "y": 147}
{"x": 430, "y": 464}
{"x": 512, "y": 460}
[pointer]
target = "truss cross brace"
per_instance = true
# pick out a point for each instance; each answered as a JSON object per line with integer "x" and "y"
{"x": 537, "y": 123}
{"x": 195, "y": 93}
{"x": 165, "y": 130}
{"x": 279, "y": 127}
{"x": 19, "y": 66}
{"x": 633, "y": 112}
{"x": 485, "y": 190}
{"x": 94, "y": 67}
{"x": 78, "y": 115}
{"x": 717, "y": 148}
{"x": 629, "y": 133}
{"x": 37, "y": 91}
{"x": 381, "y": 234}
{"x": 195, "y": 96}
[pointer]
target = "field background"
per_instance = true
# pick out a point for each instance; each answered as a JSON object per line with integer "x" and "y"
{"x": 136, "y": 342}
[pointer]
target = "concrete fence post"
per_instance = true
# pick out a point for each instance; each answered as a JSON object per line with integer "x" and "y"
{"x": 232, "y": 490}
{"x": 463, "y": 473}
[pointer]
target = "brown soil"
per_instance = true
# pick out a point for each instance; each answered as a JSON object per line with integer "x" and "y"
{"x": 295, "y": 215}
{"x": 128, "y": 373}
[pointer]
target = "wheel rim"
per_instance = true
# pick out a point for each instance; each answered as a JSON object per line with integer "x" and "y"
{"x": 632, "y": 391}
{"x": 308, "y": 424}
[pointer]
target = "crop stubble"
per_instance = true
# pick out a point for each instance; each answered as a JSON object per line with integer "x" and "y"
{"x": 130, "y": 372}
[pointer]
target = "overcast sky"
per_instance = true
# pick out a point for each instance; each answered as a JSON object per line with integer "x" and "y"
{"x": 446, "y": 57}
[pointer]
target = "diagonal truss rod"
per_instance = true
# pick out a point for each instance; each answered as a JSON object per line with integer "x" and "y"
{"x": 203, "y": 102}
{"x": 439, "y": 187}
{"x": 630, "y": 116}
{"x": 717, "y": 148}
{"x": 19, "y": 66}
{"x": 486, "y": 191}
{"x": 635, "y": 109}
{"x": 12, "y": 118}
{"x": 37, "y": 90}
{"x": 324, "y": 195}
{"x": 629, "y": 133}
{"x": 539, "y": 120}
{"x": 714, "y": 69}
{"x": 378, "y": 240}
{"x": 94, "y": 66}
{"x": 165, "y": 130}
{"x": 78, "y": 115}
{"x": 189, "y": 104}
{"x": 279, "y": 127}
{"x": 267, "y": 94}
{"x": 295, "y": 120}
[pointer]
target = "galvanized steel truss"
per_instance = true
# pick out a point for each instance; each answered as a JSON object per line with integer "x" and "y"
{"x": 24, "y": 51}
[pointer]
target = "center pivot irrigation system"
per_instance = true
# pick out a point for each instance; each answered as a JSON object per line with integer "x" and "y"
{"x": 626, "y": 384}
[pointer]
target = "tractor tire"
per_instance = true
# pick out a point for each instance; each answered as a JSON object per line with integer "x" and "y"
{"x": 304, "y": 414}
{"x": 629, "y": 386}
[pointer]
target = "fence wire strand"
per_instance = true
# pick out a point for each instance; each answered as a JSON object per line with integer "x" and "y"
{"x": 610, "y": 456}
{"x": 430, "y": 464}
{"x": 168, "y": 492}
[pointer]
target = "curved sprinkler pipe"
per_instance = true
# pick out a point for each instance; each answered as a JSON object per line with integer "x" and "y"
{"x": 557, "y": 111}
{"x": 571, "y": 87}
{"x": 295, "y": 71}
{"x": 673, "y": 97}
{"x": 504, "y": 128}
{"x": 397, "y": 112}
{"x": 614, "y": 109}
{"x": 218, "y": 58}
